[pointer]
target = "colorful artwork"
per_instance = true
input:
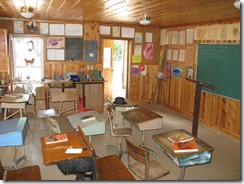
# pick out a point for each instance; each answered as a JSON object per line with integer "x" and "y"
{"x": 168, "y": 70}
{"x": 55, "y": 42}
{"x": 177, "y": 72}
{"x": 138, "y": 70}
{"x": 148, "y": 51}
{"x": 138, "y": 37}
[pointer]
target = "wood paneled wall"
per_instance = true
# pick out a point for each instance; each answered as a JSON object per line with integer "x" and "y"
{"x": 217, "y": 112}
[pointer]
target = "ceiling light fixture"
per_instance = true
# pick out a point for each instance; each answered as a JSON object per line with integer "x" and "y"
{"x": 145, "y": 21}
{"x": 26, "y": 12}
{"x": 237, "y": 4}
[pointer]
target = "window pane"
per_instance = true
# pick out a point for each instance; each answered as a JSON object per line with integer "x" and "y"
{"x": 28, "y": 58}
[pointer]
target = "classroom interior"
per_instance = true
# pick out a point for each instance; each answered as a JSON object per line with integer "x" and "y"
{"x": 174, "y": 65}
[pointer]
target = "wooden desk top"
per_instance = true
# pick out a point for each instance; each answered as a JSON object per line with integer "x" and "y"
{"x": 166, "y": 144}
{"x": 140, "y": 115}
{"x": 144, "y": 119}
{"x": 53, "y": 153}
{"x": 8, "y": 99}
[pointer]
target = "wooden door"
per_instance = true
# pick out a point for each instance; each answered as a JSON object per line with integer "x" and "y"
{"x": 107, "y": 49}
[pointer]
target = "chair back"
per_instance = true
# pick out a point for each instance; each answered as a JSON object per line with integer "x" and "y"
{"x": 53, "y": 125}
{"x": 139, "y": 154}
{"x": 111, "y": 120}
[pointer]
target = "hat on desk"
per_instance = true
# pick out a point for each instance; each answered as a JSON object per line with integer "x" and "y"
{"x": 119, "y": 100}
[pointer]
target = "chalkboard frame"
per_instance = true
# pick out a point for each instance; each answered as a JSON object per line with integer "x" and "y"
{"x": 220, "y": 65}
{"x": 73, "y": 48}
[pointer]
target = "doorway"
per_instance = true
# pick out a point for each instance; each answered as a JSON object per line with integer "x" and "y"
{"x": 115, "y": 70}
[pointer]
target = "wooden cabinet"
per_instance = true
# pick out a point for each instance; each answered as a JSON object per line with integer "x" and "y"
{"x": 4, "y": 79}
{"x": 92, "y": 93}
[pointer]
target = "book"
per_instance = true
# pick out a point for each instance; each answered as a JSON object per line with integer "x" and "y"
{"x": 51, "y": 139}
{"x": 180, "y": 137}
{"x": 182, "y": 147}
{"x": 87, "y": 118}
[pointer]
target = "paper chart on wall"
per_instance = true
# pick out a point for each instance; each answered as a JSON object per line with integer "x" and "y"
{"x": 163, "y": 36}
{"x": 55, "y": 54}
{"x": 128, "y": 32}
{"x": 175, "y": 55}
{"x": 105, "y": 30}
{"x": 18, "y": 27}
{"x": 182, "y": 38}
{"x": 116, "y": 31}
{"x": 44, "y": 28}
{"x": 182, "y": 55}
{"x": 148, "y": 37}
{"x": 137, "y": 49}
{"x": 73, "y": 29}
{"x": 169, "y": 54}
{"x": 138, "y": 37}
{"x": 56, "y": 29}
{"x": 189, "y": 36}
{"x": 175, "y": 37}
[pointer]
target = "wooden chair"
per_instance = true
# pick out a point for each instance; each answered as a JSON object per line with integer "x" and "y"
{"x": 142, "y": 165}
{"x": 108, "y": 167}
{"x": 53, "y": 125}
{"x": 25, "y": 173}
{"x": 117, "y": 132}
{"x": 42, "y": 114}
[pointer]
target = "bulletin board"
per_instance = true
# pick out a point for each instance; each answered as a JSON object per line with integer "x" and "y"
{"x": 220, "y": 65}
{"x": 73, "y": 48}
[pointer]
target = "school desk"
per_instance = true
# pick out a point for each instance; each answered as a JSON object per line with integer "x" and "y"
{"x": 55, "y": 152}
{"x": 118, "y": 108}
{"x": 184, "y": 160}
{"x": 14, "y": 104}
{"x": 144, "y": 120}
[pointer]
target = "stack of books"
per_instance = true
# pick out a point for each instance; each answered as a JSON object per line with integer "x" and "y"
{"x": 183, "y": 143}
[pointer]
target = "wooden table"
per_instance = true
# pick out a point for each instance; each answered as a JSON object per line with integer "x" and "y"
{"x": 118, "y": 108}
{"x": 144, "y": 119}
{"x": 183, "y": 160}
{"x": 13, "y": 103}
{"x": 53, "y": 153}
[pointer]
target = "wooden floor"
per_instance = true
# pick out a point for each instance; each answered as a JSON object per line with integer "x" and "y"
{"x": 225, "y": 165}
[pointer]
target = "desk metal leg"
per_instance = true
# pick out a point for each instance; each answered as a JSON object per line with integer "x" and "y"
{"x": 182, "y": 173}
{"x": 143, "y": 144}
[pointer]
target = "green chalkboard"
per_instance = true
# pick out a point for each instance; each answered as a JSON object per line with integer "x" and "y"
{"x": 73, "y": 48}
{"x": 220, "y": 66}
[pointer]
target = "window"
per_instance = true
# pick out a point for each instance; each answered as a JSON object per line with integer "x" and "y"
{"x": 28, "y": 62}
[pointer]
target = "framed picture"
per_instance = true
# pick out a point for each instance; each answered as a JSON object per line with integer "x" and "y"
{"x": 55, "y": 42}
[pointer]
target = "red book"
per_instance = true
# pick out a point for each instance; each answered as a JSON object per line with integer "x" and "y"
{"x": 181, "y": 147}
{"x": 51, "y": 139}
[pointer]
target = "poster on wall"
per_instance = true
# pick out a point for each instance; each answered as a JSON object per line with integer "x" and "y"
{"x": 116, "y": 31}
{"x": 44, "y": 28}
{"x": 148, "y": 37}
{"x": 56, "y": 29}
{"x": 18, "y": 27}
{"x": 138, "y": 37}
{"x": 139, "y": 70}
{"x": 177, "y": 72}
{"x": 127, "y": 32}
{"x": 148, "y": 51}
{"x": 105, "y": 30}
{"x": 55, "y": 42}
{"x": 73, "y": 29}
